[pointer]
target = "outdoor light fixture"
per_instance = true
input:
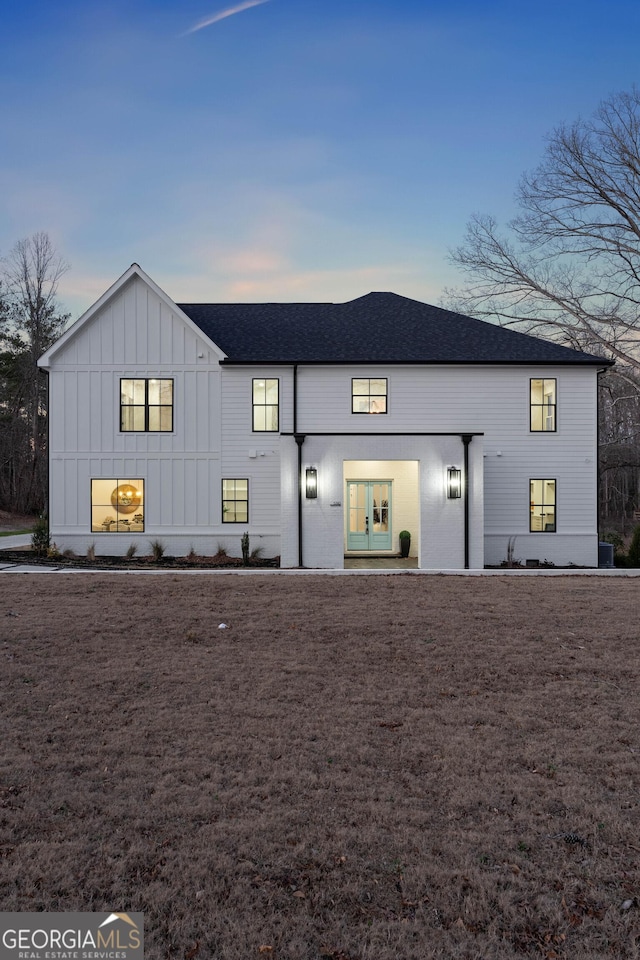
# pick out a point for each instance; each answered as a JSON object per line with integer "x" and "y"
{"x": 311, "y": 483}
{"x": 454, "y": 483}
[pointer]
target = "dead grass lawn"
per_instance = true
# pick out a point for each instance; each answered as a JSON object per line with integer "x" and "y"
{"x": 357, "y": 768}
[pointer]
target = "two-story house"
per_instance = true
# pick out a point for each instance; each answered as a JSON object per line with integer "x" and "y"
{"x": 320, "y": 429}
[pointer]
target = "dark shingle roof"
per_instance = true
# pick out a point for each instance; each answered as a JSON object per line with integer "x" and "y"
{"x": 379, "y": 327}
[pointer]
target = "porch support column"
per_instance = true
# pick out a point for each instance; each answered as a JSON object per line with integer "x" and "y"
{"x": 466, "y": 440}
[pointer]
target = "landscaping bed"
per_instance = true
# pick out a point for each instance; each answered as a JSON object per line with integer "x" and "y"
{"x": 146, "y": 562}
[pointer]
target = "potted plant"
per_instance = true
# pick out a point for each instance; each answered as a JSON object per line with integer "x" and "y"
{"x": 405, "y": 543}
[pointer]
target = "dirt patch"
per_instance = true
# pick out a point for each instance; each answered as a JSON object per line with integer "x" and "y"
{"x": 353, "y": 767}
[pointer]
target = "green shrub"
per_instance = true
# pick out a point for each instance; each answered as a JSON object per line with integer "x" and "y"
{"x": 245, "y": 549}
{"x": 157, "y": 549}
{"x": 611, "y": 536}
{"x": 633, "y": 557}
{"x": 619, "y": 556}
{"x": 41, "y": 538}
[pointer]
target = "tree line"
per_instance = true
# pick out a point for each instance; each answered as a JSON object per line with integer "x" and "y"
{"x": 30, "y": 321}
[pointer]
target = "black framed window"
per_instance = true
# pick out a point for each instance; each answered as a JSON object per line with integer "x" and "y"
{"x": 542, "y": 505}
{"x": 117, "y": 505}
{"x": 146, "y": 405}
{"x": 265, "y": 400}
{"x": 368, "y": 395}
{"x": 235, "y": 501}
{"x": 543, "y": 405}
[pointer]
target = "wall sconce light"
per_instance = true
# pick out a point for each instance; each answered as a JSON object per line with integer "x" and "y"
{"x": 454, "y": 483}
{"x": 311, "y": 483}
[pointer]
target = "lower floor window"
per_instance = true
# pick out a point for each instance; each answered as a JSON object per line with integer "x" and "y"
{"x": 235, "y": 501}
{"x": 117, "y": 505}
{"x": 542, "y": 498}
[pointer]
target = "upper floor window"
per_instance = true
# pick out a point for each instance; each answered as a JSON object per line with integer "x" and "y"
{"x": 542, "y": 495}
{"x": 265, "y": 405}
{"x": 369, "y": 395}
{"x": 146, "y": 405}
{"x": 543, "y": 405}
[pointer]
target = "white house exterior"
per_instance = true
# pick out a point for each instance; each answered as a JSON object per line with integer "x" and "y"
{"x": 194, "y": 424}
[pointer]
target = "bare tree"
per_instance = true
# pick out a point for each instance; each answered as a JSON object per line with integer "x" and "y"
{"x": 619, "y": 450}
{"x": 29, "y": 324}
{"x": 569, "y": 268}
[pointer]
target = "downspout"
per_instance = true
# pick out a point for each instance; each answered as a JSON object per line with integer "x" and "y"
{"x": 466, "y": 440}
{"x": 598, "y": 471}
{"x": 47, "y": 503}
{"x": 299, "y": 438}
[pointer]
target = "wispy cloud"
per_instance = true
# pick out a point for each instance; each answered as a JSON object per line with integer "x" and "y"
{"x": 229, "y": 12}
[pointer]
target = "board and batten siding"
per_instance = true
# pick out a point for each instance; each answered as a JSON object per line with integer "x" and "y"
{"x": 136, "y": 326}
{"x": 135, "y": 335}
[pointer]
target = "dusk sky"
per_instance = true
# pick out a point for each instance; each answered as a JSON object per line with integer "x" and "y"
{"x": 285, "y": 149}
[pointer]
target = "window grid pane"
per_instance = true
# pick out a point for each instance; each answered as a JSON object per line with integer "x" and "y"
{"x": 160, "y": 419}
{"x": 132, "y": 418}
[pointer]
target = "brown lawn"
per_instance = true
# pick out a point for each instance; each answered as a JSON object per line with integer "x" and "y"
{"x": 357, "y": 768}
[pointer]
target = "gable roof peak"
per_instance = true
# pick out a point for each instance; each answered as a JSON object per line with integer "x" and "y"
{"x": 135, "y": 270}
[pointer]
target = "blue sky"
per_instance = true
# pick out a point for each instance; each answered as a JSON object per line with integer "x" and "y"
{"x": 293, "y": 150}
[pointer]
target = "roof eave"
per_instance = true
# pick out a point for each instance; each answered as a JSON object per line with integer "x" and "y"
{"x": 587, "y": 362}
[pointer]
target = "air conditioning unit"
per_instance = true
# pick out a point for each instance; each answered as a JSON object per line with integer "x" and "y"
{"x": 605, "y": 555}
